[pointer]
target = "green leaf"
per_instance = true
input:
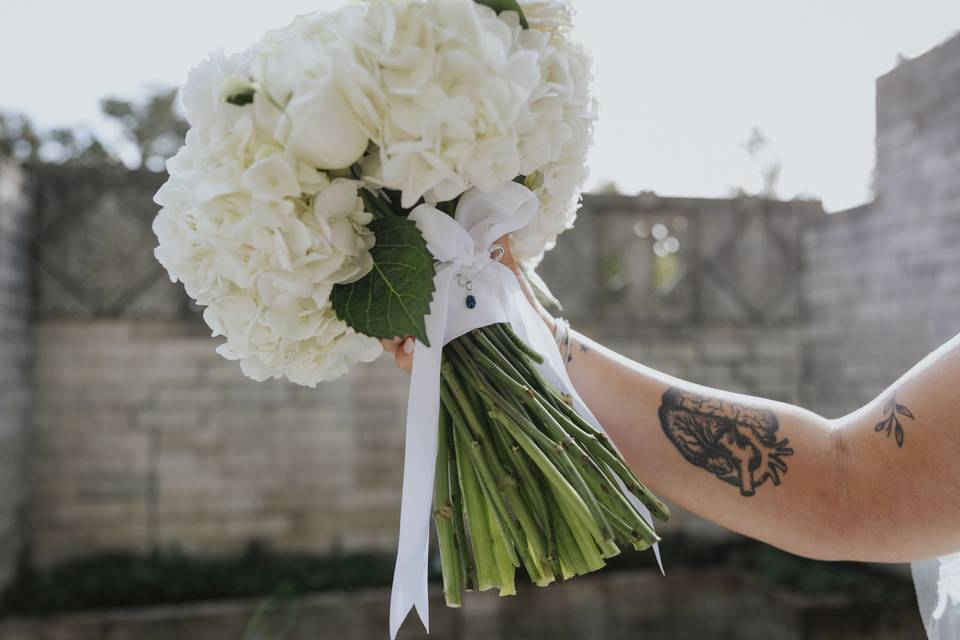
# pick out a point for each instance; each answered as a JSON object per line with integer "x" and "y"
{"x": 242, "y": 98}
{"x": 506, "y": 5}
{"x": 394, "y": 298}
{"x": 377, "y": 206}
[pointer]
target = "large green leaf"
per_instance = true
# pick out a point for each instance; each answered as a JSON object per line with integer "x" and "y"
{"x": 394, "y": 298}
{"x": 506, "y": 5}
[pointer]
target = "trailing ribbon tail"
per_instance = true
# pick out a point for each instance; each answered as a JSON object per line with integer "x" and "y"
{"x": 461, "y": 246}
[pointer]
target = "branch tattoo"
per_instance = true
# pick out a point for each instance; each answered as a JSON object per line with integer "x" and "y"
{"x": 737, "y": 444}
{"x": 892, "y": 410}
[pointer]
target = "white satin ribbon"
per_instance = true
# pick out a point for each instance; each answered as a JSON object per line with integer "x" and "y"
{"x": 937, "y": 581}
{"x": 461, "y": 246}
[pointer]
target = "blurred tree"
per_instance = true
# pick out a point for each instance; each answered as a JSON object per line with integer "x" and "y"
{"x": 76, "y": 146}
{"x": 21, "y": 140}
{"x": 767, "y": 160}
{"x": 18, "y": 137}
{"x": 152, "y": 125}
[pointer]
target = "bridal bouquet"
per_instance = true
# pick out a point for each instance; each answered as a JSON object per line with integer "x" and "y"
{"x": 345, "y": 180}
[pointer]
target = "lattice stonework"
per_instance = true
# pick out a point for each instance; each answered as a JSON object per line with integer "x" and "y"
{"x": 736, "y": 261}
{"x": 733, "y": 261}
{"x": 94, "y": 251}
{"x": 751, "y": 267}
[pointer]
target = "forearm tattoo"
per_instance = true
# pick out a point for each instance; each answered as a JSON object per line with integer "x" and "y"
{"x": 737, "y": 444}
{"x": 892, "y": 410}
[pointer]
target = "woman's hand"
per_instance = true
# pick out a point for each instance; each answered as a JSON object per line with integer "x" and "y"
{"x": 402, "y": 348}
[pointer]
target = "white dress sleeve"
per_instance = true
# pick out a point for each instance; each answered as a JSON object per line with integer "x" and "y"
{"x": 937, "y": 581}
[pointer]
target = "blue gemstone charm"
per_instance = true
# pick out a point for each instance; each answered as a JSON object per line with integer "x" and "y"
{"x": 471, "y": 301}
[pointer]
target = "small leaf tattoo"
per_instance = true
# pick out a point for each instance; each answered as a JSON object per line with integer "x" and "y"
{"x": 892, "y": 410}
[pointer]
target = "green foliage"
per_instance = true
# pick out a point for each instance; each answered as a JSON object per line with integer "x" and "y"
{"x": 79, "y": 147}
{"x": 861, "y": 582}
{"x": 123, "y": 579}
{"x": 380, "y": 207}
{"x": 394, "y": 298}
{"x": 18, "y": 138}
{"x": 506, "y": 5}
{"x": 241, "y": 99}
{"x": 152, "y": 125}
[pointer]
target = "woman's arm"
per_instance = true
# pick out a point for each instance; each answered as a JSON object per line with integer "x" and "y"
{"x": 881, "y": 484}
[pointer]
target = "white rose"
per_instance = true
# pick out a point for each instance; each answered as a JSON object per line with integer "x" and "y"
{"x": 548, "y": 15}
{"x": 324, "y": 132}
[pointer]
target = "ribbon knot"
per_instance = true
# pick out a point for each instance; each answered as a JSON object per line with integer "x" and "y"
{"x": 461, "y": 246}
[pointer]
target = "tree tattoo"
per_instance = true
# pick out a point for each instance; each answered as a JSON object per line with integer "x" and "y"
{"x": 737, "y": 444}
{"x": 892, "y": 410}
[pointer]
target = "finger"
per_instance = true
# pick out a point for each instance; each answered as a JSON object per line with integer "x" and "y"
{"x": 404, "y": 355}
{"x": 507, "y": 259}
{"x": 404, "y": 361}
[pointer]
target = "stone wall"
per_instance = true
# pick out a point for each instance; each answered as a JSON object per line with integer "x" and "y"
{"x": 15, "y": 356}
{"x": 145, "y": 437}
{"x": 883, "y": 280}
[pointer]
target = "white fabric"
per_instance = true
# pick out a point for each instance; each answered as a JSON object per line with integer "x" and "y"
{"x": 938, "y": 594}
{"x": 461, "y": 246}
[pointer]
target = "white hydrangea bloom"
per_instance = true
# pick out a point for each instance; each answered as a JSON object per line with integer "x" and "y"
{"x": 554, "y": 16}
{"x": 259, "y": 238}
{"x": 452, "y": 93}
{"x": 565, "y": 113}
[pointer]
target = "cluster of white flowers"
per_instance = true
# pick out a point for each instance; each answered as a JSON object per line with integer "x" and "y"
{"x": 453, "y": 92}
{"x": 461, "y": 97}
{"x": 261, "y": 216}
{"x": 564, "y": 112}
{"x": 259, "y": 237}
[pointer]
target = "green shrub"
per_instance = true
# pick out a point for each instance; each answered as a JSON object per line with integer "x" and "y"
{"x": 125, "y": 579}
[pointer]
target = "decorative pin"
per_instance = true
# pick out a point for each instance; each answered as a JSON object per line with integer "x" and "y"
{"x": 471, "y": 300}
{"x": 496, "y": 253}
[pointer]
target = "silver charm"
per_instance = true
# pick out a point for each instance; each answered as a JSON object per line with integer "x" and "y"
{"x": 466, "y": 283}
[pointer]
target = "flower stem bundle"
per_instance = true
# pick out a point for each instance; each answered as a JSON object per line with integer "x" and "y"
{"x": 521, "y": 478}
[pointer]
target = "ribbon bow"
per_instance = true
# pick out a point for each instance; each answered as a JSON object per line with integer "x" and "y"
{"x": 461, "y": 245}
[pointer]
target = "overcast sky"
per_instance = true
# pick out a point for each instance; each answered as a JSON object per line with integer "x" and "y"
{"x": 682, "y": 83}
